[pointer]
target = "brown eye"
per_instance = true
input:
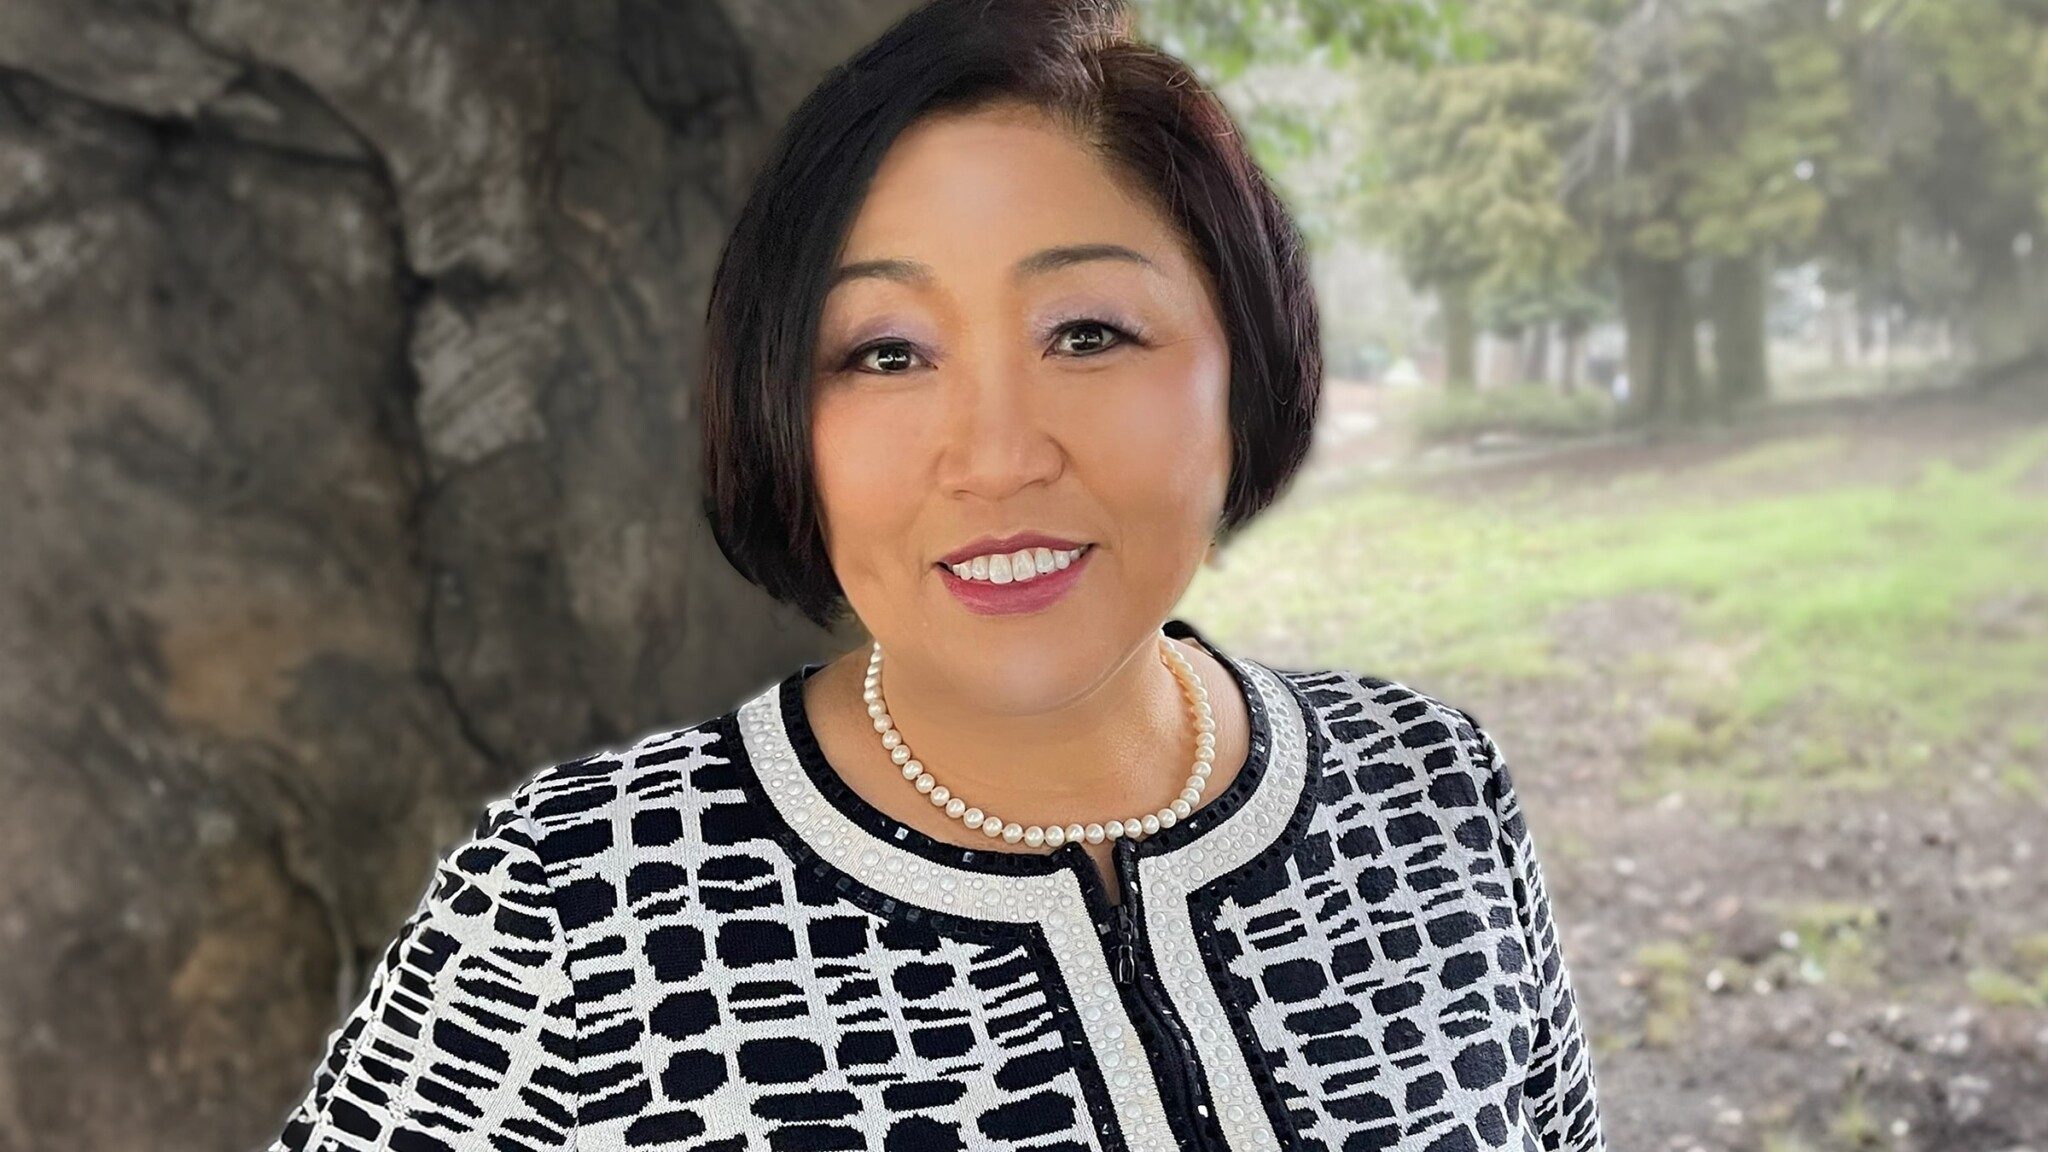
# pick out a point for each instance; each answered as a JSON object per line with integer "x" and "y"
{"x": 892, "y": 351}
{"x": 1089, "y": 348}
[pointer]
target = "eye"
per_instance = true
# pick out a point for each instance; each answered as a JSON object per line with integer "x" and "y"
{"x": 894, "y": 349}
{"x": 899, "y": 352}
{"x": 1122, "y": 337}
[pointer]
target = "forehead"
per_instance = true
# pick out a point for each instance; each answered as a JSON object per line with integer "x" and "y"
{"x": 969, "y": 192}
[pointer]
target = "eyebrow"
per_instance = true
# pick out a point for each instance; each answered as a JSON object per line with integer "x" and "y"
{"x": 918, "y": 274}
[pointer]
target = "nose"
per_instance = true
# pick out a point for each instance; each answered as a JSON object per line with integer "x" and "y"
{"x": 998, "y": 437}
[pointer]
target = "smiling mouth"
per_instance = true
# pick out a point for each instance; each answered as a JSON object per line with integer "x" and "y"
{"x": 942, "y": 566}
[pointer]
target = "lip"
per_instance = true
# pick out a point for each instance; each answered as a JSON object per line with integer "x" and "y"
{"x": 1039, "y": 592}
{"x": 989, "y": 545}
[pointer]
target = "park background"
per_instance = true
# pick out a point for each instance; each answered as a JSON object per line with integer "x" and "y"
{"x": 1686, "y": 420}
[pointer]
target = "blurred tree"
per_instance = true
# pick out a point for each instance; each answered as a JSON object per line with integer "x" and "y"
{"x": 1467, "y": 184}
{"x": 1223, "y": 37}
{"x": 1976, "y": 126}
{"x": 1708, "y": 122}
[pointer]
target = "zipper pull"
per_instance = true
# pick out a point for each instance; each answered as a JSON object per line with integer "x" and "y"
{"x": 1126, "y": 959}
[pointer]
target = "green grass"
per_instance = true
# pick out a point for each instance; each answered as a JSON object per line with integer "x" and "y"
{"x": 1525, "y": 409}
{"x": 1851, "y": 606}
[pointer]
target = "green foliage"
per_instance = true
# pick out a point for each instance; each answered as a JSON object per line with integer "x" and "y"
{"x": 1715, "y": 128}
{"x": 1993, "y": 55}
{"x": 1224, "y": 37}
{"x": 1514, "y": 150}
{"x": 1467, "y": 191}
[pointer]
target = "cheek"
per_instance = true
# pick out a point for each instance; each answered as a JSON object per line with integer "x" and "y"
{"x": 854, "y": 468}
{"x": 1161, "y": 438}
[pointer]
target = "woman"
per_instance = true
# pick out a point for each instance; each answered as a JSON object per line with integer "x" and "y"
{"x": 1009, "y": 335}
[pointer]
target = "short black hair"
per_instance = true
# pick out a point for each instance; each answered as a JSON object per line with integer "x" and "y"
{"x": 1148, "y": 117}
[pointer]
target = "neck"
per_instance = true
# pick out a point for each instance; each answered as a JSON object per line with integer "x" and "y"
{"x": 1121, "y": 749}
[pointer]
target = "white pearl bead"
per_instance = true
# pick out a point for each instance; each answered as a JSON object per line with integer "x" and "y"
{"x": 1204, "y": 724}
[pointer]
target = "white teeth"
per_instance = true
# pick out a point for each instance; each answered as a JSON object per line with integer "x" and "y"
{"x": 1005, "y": 568}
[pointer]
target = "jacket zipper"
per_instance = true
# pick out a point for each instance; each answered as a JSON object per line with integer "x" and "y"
{"x": 1179, "y": 1084}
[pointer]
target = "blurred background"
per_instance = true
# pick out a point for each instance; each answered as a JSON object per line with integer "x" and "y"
{"x": 1686, "y": 421}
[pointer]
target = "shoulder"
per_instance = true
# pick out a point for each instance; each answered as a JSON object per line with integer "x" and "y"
{"x": 1386, "y": 733}
{"x": 618, "y": 801}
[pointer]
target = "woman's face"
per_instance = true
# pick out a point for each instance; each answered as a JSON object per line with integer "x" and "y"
{"x": 961, "y": 392}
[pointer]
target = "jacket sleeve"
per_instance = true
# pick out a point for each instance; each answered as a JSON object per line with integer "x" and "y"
{"x": 1560, "y": 1096}
{"x": 465, "y": 1038}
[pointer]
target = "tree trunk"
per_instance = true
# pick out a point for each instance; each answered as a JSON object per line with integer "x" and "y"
{"x": 345, "y": 399}
{"x": 1663, "y": 346}
{"x": 1536, "y": 355}
{"x": 1461, "y": 338}
{"x": 2002, "y": 319}
{"x": 1574, "y": 344}
{"x": 1739, "y": 295}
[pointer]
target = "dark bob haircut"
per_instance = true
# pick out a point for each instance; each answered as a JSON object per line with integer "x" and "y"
{"x": 1148, "y": 117}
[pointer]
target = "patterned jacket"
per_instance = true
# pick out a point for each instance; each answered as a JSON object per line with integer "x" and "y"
{"x": 707, "y": 940}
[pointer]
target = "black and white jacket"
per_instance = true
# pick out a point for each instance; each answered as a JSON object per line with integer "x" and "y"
{"x": 705, "y": 940}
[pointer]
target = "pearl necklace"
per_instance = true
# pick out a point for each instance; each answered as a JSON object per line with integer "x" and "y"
{"x": 1054, "y": 835}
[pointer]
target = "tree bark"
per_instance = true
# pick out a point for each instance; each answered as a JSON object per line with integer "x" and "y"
{"x": 2003, "y": 317}
{"x": 1461, "y": 338}
{"x": 1663, "y": 346}
{"x": 1574, "y": 344}
{"x": 346, "y": 400}
{"x": 1739, "y": 294}
{"x": 1536, "y": 355}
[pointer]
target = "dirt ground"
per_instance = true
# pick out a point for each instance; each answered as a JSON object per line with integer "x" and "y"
{"x": 1801, "y": 981}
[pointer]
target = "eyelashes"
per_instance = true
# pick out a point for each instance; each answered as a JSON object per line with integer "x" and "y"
{"x": 1124, "y": 334}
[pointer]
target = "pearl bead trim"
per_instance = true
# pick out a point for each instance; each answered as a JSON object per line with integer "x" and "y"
{"x": 1054, "y": 835}
{"x": 1170, "y": 878}
{"x": 1055, "y": 903}
{"x": 1052, "y": 900}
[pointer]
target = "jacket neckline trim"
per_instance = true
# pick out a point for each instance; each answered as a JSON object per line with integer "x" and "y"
{"x": 795, "y": 740}
{"x": 1044, "y": 891}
